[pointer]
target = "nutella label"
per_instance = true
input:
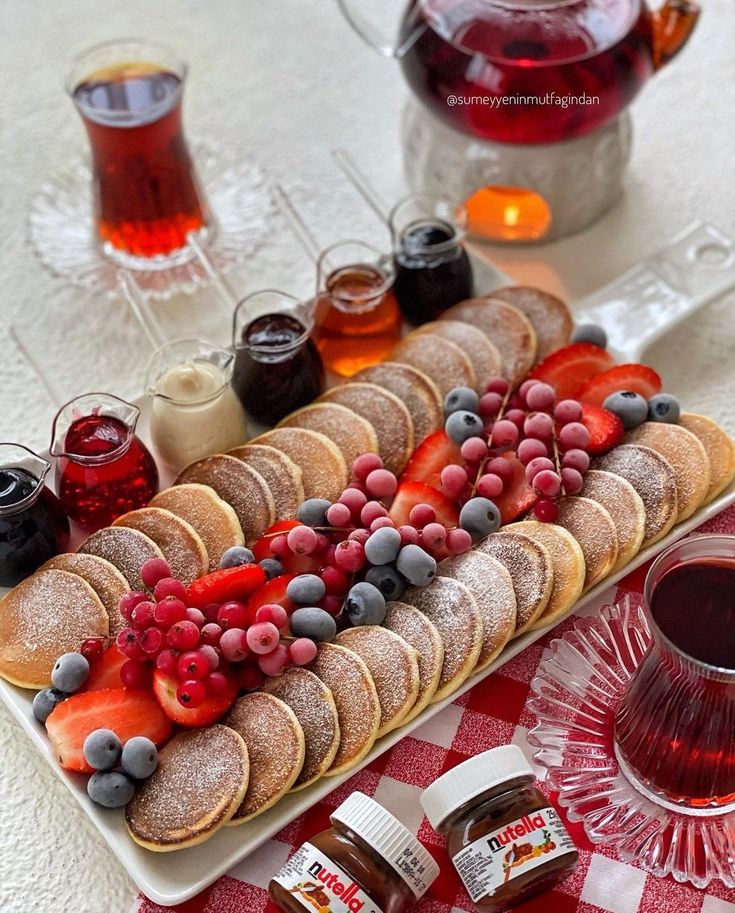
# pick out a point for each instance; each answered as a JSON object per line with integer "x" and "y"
{"x": 517, "y": 848}
{"x": 320, "y": 886}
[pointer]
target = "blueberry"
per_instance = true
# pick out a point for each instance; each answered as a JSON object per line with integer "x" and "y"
{"x": 461, "y": 398}
{"x": 306, "y": 589}
{"x": 383, "y": 545}
{"x": 663, "y": 408}
{"x": 463, "y": 425}
{"x": 365, "y": 605}
{"x": 45, "y": 701}
{"x": 272, "y": 567}
{"x": 630, "y": 408}
{"x": 70, "y": 672}
{"x": 236, "y": 556}
{"x": 102, "y": 749}
{"x": 139, "y": 757}
{"x": 590, "y": 332}
{"x": 416, "y": 565}
{"x": 110, "y": 788}
{"x": 314, "y": 623}
{"x": 479, "y": 517}
{"x": 387, "y": 579}
{"x": 313, "y": 512}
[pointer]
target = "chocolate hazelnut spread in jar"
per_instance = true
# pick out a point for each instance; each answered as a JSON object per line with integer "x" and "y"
{"x": 506, "y": 841}
{"x": 366, "y": 862}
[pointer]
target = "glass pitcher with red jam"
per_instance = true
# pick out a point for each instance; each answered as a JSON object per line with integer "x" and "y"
{"x": 33, "y": 525}
{"x": 357, "y": 320}
{"x": 278, "y": 367}
{"x": 103, "y": 469}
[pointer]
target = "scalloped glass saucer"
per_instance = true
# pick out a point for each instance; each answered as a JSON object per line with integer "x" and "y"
{"x": 575, "y": 694}
{"x": 61, "y": 226}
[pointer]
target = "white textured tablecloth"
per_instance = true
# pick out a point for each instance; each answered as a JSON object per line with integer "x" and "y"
{"x": 282, "y": 83}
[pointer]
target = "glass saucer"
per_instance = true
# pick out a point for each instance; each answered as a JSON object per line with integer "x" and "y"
{"x": 574, "y": 696}
{"x": 61, "y": 226}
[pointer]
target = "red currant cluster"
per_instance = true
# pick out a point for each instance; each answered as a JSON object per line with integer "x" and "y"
{"x": 202, "y": 648}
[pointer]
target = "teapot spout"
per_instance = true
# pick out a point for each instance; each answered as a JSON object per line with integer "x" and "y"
{"x": 673, "y": 23}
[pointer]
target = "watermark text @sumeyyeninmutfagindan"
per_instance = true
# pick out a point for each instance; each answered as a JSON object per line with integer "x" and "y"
{"x": 504, "y": 101}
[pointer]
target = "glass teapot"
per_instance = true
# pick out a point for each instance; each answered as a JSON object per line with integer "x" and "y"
{"x": 529, "y": 71}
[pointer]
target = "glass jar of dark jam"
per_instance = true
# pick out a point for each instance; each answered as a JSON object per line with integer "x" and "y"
{"x": 507, "y": 842}
{"x": 33, "y": 525}
{"x": 277, "y": 365}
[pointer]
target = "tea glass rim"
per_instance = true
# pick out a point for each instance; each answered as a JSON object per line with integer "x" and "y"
{"x": 383, "y": 263}
{"x": 155, "y": 372}
{"x": 11, "y": 509}
{"x": 74, "y": 79}
{"x": 697, "y": 547}
{"x": 59, "y": 452}
{"x": 458, "y": 224}
{"x": 306, "y": 319}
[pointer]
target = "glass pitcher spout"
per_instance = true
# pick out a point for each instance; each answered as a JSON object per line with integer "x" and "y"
{"x": 673, "y": 23}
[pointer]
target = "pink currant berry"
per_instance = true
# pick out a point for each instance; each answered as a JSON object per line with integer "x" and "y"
{"x": 572, "y": 481}
{"x": 195, "y": 615}
{"x": 211, "y": 655}
{"x": 169, "y": 586}
{"x": 547, "y": 483}
{"x": 339, "y": 515}
{"x": 302, "y": 540}
{"x": 433, "y": 535}
{"x": 458, "y": 541}
{"x": 211, "y": 611}
{"x": 490, "y": 486}
{"x": 232, "y": 614}
{"x": 381, "y": 523}
{"x": 357, "y": 535}
{"x": 169, "y": 611}
{"x": 349, "y": 556}
{"x": 371, "y": 511}
{"x": 540, "y": 398}
{"x": 453, "y": 479}
{"x": 127, "y": 644}
{"x": 262, "y": 637}
{"x": 568, "y": 410}
{"x": 191, "y": 694}
{"x": 517, "y": 416}
{"x": 234, "y": 645}
{"x": 166, "y": 662}
{"x": 216, "y": 683}
{"x": 210, "y": 634}
{"x": 381, "y": 483}
{"x": 184, "y": 635}
{"x": 365, "y": 464}
{"x": 530, "y": 448}
{"x": 354, "y": 499}
{"x": 497, "y": 385}
{"x": 489, "y": 405}
{"x": 574, "y": 436}
{"x": 546, "y": 511}
{"x": 274, "y": 613}
{"x": 192, "y": 665}
{"x": 302, "y": 651}
{"x": 576, "y": 459}
{"x": 421, "y": 514}
{"x": 474, "y": 449}
{"x": 539, "y": 425}
{"x": 92, "y": 649}
{"x": 526, "y": 387}
{"x": 275, "y": 662}
{"x": 280, "y": 547}
{"x": 142, "y": 616}
{"x": 504, "y": 433}
{"x": 336, "y": 582}
{"x": 153, "y": 570}
{"x": 151, "y": 641}
{"x": 500, "y": 467}
{"x": 128, "y": 601}
{"x": 409, "y": 535}
{"x": 538, "y": 464}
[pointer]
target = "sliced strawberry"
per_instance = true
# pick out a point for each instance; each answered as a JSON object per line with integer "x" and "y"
{"x": 636, "y": 378}
{"x": 126, "y": 713}
{"x": 569, "y": 368}
{"x": 272, "y": 591}
{"x": 295, "y": 564}
{"x": 164, "y": 689}
{"x": 105, "y": 671}
{"x": 436, "y": 451}
{"x": 222, "y": 586}
{"x": 518, "y": 497}
{"x": 410, "y": 494}
{"x": 605, "y": 428}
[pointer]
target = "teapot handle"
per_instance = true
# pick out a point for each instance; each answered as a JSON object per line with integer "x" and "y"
{"x": 370, "y": 35}
{"x": 673, "y": 24}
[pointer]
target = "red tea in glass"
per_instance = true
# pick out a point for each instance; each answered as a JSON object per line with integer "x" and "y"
{"x": 675, "y": 726}
{"x": 146, "y": 194}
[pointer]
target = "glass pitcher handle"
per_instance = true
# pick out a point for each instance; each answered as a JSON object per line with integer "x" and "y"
{"x": 649, "y": 299}
{"x": 351, "y": 10}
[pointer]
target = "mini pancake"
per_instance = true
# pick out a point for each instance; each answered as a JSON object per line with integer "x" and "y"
{"x": 351, "y": 433}
{"x": 213, "y": 519}
{"x": 654, "y": 480}
{"x": 275, "y": 742}
{"x": 281, "y": 474}
{"x": 483, "y": 354}
{"x": 625, "y": 507}
{"x": 200, "y": 781}
{"x": 417, "y": 630}
{"x": 314, "y": 706}
{"x": 450, "y": 607}
{"x": 441, "y": 360}
{"x": 244, "y": 489}
{"x": 323, "y": 468}
{"x": 687, "y": 457}
{"x": 569, "y": 568}
{"x": 126, "y": 549}
{"x": 178, "y": 540}
{"x": 48, "y": 614}
{"x": 393, "y": 665}
{"x": 592, "y": 526}
{"x": 104, "y": 578}
{"x": 385, "y": 412}
{"x": 356, "y": 699}
{"x": 491, "y": 587}
{"x": 414, "y": 388}
{"x": 510, "y": 331}
{"x": 531, "y": 569}
{"x": 550, "y": 316}
{"x": 720, "y": 449}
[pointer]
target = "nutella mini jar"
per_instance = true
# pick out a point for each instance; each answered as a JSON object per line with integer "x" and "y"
{"x": 367, "y": 862}
{"x": 505, "y": 840}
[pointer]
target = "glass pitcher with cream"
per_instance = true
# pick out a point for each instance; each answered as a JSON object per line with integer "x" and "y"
{"x": 195, "y": 411}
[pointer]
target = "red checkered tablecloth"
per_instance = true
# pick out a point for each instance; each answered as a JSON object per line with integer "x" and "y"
{"x": 493, "y": 713}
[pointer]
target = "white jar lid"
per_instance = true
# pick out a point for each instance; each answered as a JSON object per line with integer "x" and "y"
{"x": 471, "y": 778}
{"x": 390, "y": 839}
